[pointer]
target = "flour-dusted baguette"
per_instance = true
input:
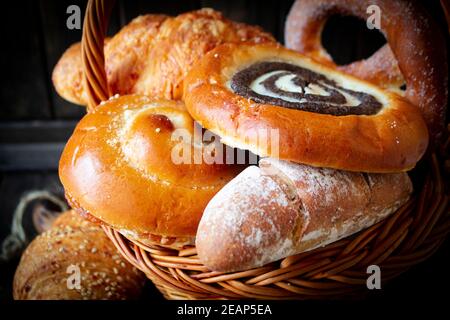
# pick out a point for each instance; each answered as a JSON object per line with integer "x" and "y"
{"x": 281, "y": 208}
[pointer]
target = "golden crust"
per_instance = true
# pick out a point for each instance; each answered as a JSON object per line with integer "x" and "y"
{"x": 153, "y": 53}
{"x": 126, "y": 52}
{"x": 72, "y": 241}
{"x": 392, "y": 140}
{"x": 118, "y": 166}
{"x": 181, "y": 42}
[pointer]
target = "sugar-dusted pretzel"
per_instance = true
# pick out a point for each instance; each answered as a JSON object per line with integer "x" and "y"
{"x": 413, "y": 38}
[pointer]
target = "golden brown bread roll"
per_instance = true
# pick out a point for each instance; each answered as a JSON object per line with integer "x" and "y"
{"x": 43, "y": 272}
{"x": 120, "y": 167}
{"x": 323, "y": 117}
{"x": 283, "y": 208}
{"x": 153, "y": 53}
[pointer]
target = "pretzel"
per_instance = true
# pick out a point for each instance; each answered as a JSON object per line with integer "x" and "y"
{"x": 413, "y": 38}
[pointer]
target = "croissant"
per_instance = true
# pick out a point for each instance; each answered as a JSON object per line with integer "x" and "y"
{"x": 48, "y": 267}
{"x": 153, "y": 53}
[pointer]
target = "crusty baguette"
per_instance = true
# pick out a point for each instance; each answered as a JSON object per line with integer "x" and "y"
{"x": 43, "y": 272}
{"x": 283, "y": 208}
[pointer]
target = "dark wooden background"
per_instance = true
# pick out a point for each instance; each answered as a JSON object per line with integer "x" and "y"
{"x": 35, "y": 122}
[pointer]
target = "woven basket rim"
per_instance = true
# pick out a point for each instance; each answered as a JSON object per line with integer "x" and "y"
{"x": 405, "y": 238}
{"x": 335, "y": 271}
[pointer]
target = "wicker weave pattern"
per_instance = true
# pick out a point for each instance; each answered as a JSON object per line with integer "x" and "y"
{"x": 94, "y": 30}
{"x": 402, "y": 240}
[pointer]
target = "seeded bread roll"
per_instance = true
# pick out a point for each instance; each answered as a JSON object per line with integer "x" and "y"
{"x": 281, "y": 208}
{"x": 73, "y": 242}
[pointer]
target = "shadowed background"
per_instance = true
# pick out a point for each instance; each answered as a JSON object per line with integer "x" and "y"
{"x": 35, "y": 122}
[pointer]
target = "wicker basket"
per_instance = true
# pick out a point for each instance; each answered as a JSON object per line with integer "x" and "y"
{"x": 404, "y": 239}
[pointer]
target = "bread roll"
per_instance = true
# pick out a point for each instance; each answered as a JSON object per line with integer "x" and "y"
{"x": 153, "y": 53}
{"x": 323, "y": 117}
{"x": 119, "y": 167}
{"x": 47, "y": 265}
{"x": 283, "y": 208}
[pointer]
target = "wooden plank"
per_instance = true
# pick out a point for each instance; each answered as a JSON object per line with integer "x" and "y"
{"x": 265, "y": 16}
{"x": 36, "y": 131}
{"x": 35, "y": 145}
{"x": 23, "y": 92}
{"x": 30, "y": 156}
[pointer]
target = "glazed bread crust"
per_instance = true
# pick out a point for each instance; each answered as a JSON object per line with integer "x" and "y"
{"x": 392, "y": 140}
{"x": 118, "y": 167}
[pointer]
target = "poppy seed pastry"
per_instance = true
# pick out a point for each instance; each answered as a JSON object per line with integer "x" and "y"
{"x": 323, "y": 117}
